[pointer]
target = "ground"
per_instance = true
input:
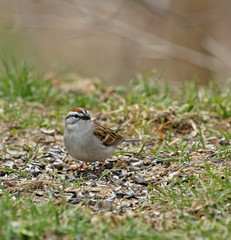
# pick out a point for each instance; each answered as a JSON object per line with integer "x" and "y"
{"x": 175, "y": 185}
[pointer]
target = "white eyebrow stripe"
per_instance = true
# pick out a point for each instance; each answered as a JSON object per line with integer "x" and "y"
{"x": 76, "y": 113}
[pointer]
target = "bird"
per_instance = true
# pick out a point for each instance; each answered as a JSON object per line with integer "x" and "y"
{"x": 90, "y": 141}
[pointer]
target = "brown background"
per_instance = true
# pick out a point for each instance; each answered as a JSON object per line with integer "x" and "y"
{"x": 115, "y": 40}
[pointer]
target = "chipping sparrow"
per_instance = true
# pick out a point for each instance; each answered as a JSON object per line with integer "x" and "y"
{"x": 89, "y": 141}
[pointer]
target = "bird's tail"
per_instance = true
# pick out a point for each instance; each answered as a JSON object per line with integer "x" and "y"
{"x": 135, "y": 140}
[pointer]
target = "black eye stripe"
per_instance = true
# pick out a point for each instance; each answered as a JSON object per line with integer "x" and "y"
{"x": 84, "y": 117}
{"x": 75, "y": 116}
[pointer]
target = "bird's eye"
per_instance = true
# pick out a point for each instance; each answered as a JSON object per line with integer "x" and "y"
{"x": 76, "y": 116}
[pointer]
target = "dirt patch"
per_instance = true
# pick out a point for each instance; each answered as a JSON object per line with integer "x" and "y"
{"x": 125, "y": 182}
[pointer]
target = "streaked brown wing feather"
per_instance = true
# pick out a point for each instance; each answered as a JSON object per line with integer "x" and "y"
{"x": 107, "y": 135}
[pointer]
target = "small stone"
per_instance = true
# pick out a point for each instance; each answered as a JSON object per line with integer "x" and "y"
{"x": 115, "y": 177}
{"x": 50, "y": 168}
{"x": 130, "y": 195}
{"x": 73, "y": 167}
{"x": 147, "y": 162}
{"x": 74, "y": 200}
{"x": 47, "y": 131}
{"x": 70, "y": 177}
{"x": 137, "y": 164}
{"x": 58, "y": 165}
{"x": 118, "y": 188}
{"x": 133, "y": 160}
{"x": 105, "y": 205}
{"x": 12, "y": 151}
{"x": 36, "y": 172}
{"x": 213, "y": 154}
{"x": 39, "y": 193}
{"x": 120, "y": 194}
{"x": 125, "y": 175}
{"x": 108, "y": 165}
{"x": 218, "y": 160}
{"x": 140, "y": 180}
{"x": 90, "y": 202}
{"x": 93, "y": 184}
{"x": 224, "y": 143}
{"x": 101, "y": 184}
{"x": 50, "y": 159}
{"x": 92, "y": 176}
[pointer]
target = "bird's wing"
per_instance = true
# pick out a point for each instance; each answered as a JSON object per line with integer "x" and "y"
{"x": 107, "y": 136}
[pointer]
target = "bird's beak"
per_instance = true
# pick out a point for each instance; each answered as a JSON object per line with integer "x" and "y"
{"x": 85, "y": 117}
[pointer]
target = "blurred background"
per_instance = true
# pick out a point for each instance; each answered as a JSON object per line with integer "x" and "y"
{"x": 115, "y": 40}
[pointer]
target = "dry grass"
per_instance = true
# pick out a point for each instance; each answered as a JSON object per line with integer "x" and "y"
{"x": 175, "y": 186}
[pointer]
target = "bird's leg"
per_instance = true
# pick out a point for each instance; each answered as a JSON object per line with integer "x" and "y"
{"x": 81, "y": 166}
{"x": 101, "y": 167}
